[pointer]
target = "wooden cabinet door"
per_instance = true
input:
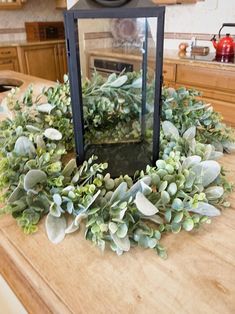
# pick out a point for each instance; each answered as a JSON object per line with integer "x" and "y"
{"x": 63, "y": 67}
{"x": 41, "y": 61}
{"x": 9, "y": 64}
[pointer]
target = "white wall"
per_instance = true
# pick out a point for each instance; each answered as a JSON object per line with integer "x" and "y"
{"x": 205, "y": 17}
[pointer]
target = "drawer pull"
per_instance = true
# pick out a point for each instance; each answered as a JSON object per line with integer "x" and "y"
{"x": 5, "y": 52}
{"x": 164, "y": 71}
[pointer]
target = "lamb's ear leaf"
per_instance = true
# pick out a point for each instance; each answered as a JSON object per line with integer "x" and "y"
{"x": 55, "y": 228}
{"x": 94, "y": 197}
{"x": 214, "y": 192}
{"x": 69, "y": 168}
{"x": 121, "y": 80}
{"x": 45, "y": 108}
{"x": 205, "y": 209}
{"x": 190, "y": 133}
{"x": 119, "y": 193}
{"x": 53, "y": 134}
{"x": 170, "y": 130}
{"x": 24, "y": 147}
{"x": 144, "y": 205}
{"x": 207, "y": 171}
{"x": 123, "y": 244}
{"x": 191, "y": 161}
{"x": 137, "y": 83}
{"x": 16, "y": 194}
{"x": 139, "y": 186}
{"x": 33, "y": 177}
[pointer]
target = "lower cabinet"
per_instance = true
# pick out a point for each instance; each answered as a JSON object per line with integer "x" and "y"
{"x": 9, "y": 64}
{"x": 9, "y": 59}
{"x": 46, "y": 61}
{"x": 217, "y": 85}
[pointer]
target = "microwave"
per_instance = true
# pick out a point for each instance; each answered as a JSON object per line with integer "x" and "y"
{"x": 42, "y": 31}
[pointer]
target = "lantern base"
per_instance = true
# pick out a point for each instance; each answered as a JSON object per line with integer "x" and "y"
{"x": 123, "y": 158}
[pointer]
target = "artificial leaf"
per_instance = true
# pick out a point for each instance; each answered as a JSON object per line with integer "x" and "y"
{"x": 207, "y": 171}
{"x": 205, "y": 209}
{"x": 144, "y": 205}
{"x": 34, "y": 177}
{"x": 55, "y": 228}
{"x": 24, "y": 147}
{"x": 53, "y": 134}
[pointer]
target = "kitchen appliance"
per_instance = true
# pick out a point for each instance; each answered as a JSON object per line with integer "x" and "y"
{"x": 106, "y": 66}
{"x": 225, "y": 47}
{"x": 41, "y": 31}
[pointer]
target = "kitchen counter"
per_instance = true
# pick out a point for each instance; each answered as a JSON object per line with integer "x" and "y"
{"x": 11, "y": 77}
{"x": 75, "y": 277}
{"x": 170, "y": 56}
{"x": 20, "y": 43}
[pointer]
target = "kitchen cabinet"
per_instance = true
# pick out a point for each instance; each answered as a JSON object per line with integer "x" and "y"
{"x": 63, "y": 68}
{"x": 61, "y": 4}
{"x": 15, "y": 4}
{"x": 216, "y": 84}
{"x": 47, "y": 60}
{"x": 9, "y": 59}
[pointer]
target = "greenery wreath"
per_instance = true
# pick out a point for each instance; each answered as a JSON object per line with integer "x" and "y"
{"x": 38, "y": 177}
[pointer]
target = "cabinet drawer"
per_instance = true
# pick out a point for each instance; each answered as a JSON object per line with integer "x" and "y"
{"x": 9, "y": 64}
{"x": 206, "y": 77}
{"x": 226, "y": 110}
{"x": 8, "y": 52}
{"x": 6, "y": 65}
{"x": 169, "y": 71}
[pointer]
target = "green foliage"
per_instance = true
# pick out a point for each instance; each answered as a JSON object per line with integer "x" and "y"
{"x": 183, "y": 189}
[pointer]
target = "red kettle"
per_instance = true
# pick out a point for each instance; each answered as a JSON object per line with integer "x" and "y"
{"x": 225, "y": 48}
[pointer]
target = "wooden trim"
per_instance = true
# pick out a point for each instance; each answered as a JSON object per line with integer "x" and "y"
{"x": 11, "y": 5}
{"x": 12, "y": 30}
{"x": 30, "y": 289}
{"x": 167, "y": 35}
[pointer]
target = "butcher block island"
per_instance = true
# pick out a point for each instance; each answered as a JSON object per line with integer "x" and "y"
{"x": 75, "y": 277}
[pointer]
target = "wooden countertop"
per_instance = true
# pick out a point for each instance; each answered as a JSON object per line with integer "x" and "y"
{"x": 75, "y": 277}
{"x": 8, "y": 77}
{"x": 29, "y": 43}
{"x": 170, "y": 56}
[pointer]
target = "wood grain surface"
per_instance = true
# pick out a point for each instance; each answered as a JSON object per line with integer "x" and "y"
{"x": 75, "y": 277}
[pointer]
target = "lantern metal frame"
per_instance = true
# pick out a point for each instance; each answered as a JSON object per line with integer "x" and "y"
{"x": 88, "y": 9}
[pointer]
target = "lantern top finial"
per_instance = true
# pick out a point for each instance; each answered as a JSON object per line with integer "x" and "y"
{"x": 101, "y": 4}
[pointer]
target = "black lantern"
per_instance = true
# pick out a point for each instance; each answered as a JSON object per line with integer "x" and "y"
{"x": 118, "y": 46}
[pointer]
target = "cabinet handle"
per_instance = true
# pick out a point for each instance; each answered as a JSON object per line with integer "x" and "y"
{"x": 164, "y": 71}
{"x": 5, "y": 52}
{"x": 6, "y": 62}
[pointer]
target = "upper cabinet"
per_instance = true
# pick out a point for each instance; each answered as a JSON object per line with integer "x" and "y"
{"x": 11, "y": 4}
{"x": 61, "y": 4}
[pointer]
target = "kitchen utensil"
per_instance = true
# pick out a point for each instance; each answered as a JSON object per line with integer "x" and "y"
{"x": 200, "y": 50}
{"x": 183, "y": 47}
{"x": 225, "y": 47}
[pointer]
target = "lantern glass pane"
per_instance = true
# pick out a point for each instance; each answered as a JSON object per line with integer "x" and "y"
{"x": 118, "y": 65}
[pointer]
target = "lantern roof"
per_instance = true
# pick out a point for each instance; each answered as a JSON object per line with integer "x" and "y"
{"x": 92, "y": 4}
